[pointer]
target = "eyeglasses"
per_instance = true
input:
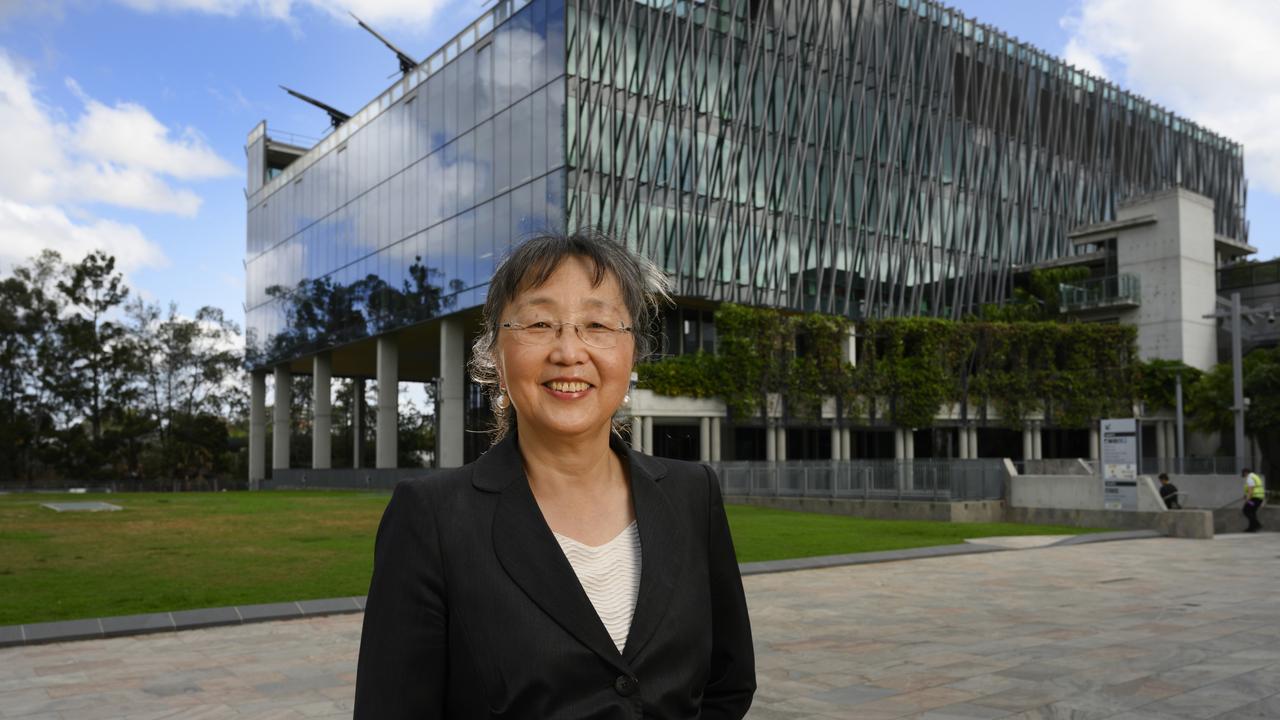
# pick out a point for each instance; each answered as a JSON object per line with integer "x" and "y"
{"x": 592, "y": 333}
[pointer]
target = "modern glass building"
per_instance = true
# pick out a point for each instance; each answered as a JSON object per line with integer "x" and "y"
{"x": 857, "y": 157}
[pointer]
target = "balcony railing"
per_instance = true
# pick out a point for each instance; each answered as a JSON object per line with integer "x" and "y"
{"x": 1115, "y": 291}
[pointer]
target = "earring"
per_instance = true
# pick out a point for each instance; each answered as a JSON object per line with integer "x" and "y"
{"x": 626, "y": 399}
{"x": 502, "y": 400}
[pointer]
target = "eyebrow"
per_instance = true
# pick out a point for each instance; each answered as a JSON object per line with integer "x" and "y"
{"x": 544, "y": 301}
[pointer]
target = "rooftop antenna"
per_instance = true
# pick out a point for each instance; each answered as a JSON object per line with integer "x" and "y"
{"x": 407, "y": 63}
{"x": 336, "y": 117}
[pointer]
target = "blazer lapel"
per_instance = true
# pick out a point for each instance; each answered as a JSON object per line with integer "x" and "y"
{"x": 531, "y": 556}
{"x": 662, "y": 547}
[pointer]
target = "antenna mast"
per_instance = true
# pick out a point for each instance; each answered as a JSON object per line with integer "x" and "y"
{"x": 336, "y": 117}
{"x": 407, "y": 63}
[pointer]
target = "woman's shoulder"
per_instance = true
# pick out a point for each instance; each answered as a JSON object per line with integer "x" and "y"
{"x": 435, "y": 485}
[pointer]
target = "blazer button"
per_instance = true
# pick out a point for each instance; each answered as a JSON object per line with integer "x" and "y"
{"x": 626, "y": 686}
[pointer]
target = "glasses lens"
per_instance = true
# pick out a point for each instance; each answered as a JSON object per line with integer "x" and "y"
{"x": 598, "y": 337}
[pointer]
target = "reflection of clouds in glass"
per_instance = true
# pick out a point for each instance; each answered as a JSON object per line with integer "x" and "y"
{"x": 513, "y": 50}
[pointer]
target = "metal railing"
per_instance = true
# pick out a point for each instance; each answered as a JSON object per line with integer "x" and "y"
{"x": 922, "y": 479}
{"x": 1192, "y": 466}
{"x": 341, "y": 478}
{"x": 1122, "y": 289}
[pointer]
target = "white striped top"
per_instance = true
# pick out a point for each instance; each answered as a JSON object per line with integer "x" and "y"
{"x": 610, "y": 574}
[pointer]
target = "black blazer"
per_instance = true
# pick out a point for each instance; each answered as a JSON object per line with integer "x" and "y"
{"x": 474, "y": 611}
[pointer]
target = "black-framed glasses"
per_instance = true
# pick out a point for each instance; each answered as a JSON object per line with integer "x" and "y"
{"x": 595, "y": 334}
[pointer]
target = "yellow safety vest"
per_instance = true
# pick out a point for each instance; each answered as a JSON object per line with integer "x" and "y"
{"x": 1258, "y": 491}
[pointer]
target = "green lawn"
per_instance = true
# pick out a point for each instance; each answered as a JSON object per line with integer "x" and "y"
{"x": 191, "y": 550}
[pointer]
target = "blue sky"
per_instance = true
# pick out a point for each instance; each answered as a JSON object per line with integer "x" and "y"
{"x": 131, "y": 115}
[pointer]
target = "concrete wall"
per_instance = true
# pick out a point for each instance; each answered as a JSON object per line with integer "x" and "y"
{"x": 1197, "y": 524}
{"x": 1231, "y": 519}
{"x": 971, "y": 511}
{"x": 1208, "y": 492}
{"x": 1073, "y": 492}
{"x": 1174, "y": 261}
{"x": 1185, "y": 523}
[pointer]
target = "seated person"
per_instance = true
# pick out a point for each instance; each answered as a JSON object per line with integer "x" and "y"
{"x": 1169, "y": 492}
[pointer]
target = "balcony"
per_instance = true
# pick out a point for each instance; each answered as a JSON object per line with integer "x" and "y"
{"x": 1105, "y": 293}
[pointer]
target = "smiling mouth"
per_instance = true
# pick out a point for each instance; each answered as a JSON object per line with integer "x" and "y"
{"x": 567, "y": 387}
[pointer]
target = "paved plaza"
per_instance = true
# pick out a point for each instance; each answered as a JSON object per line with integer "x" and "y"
{"x": 1134, "y": 630}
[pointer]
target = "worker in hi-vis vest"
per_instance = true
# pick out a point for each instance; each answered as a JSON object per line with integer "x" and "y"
{"x": 1254, "y": 495}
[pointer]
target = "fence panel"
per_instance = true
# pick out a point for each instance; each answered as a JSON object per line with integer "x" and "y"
{"x": 921, "y": 479}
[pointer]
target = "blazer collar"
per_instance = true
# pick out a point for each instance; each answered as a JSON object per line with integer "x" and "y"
{"x": 502, "y": 464}
{"x": 533, "y": 559}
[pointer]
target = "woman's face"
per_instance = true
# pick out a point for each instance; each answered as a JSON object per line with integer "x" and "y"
{"x": 566, "y": 386}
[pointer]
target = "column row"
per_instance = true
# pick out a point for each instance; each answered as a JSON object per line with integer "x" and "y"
{"x": 449, "y": 399}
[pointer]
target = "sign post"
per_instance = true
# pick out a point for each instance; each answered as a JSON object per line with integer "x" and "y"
{"x": 1120, "y": 464}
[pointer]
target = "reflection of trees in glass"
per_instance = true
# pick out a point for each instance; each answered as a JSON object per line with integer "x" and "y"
{"x": 322, "y": 312}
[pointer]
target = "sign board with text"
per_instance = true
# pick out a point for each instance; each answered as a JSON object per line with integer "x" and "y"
{"x": 1120, "y": 464}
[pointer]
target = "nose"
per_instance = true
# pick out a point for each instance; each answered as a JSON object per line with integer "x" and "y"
{"x": 568, "y": 347}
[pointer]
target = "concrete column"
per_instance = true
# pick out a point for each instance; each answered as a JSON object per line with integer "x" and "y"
{"x": 280, "y": 418}
{"x": 1162, "y": 448}
{"x": 715, "y": 439}
{"x": 704, "y": 439}
{"x": 257, "y": 429}
{"x": 321, "y": 373}
{"x": 835, "y": 443}
{"x": 387, "y": 439}
{"x": 637, "y": 434}
{"x": 357, "y": 420}
{"x": 963, "y": 434}
{"x": 782, "y": 442}
{"x": 1028, "y": 449}
{"x": 846, "y": 444}
{"x": 909, "y": 443}
{"x": 770, "y": 444}
{"x": 648, "y": 435}
{"x": 451, "y": 422}
{"x": 973, "y": 443}
{"x": 899, "y": 447}
{"x": 1093, "y": 442}
{"x": 1037, "y": 438}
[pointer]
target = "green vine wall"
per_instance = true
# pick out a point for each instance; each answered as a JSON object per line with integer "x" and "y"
{"x": 1074, "y": 373}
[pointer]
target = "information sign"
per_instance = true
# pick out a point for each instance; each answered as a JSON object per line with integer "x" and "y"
{"x": 1120, "y": 464}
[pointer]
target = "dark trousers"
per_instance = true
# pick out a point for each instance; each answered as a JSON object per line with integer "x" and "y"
{"x": 1251, "y": 512}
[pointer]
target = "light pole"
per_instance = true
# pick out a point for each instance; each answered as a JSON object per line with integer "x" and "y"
{"x": 1235, "y": 311}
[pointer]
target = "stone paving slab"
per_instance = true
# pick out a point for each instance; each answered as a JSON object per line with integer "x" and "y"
{"x": 1020, "y": 542}
{"x": 1158, "y": 629}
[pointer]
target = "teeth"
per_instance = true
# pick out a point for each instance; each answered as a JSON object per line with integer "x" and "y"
{"x": 567, "y": 386}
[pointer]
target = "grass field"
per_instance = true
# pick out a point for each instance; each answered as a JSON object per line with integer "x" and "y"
{"x": 180, "y": 551}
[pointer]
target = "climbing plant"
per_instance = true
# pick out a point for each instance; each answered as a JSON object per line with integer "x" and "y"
{"x": 910, "y": 368}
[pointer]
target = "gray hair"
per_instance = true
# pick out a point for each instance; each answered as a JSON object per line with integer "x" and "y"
{"x": 644, "y": 289}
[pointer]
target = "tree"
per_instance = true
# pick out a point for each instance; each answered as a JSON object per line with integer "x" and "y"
{"x": 190, "y": 374}
{"x": 30, "y": 311}
{"x": 99, "y": 360}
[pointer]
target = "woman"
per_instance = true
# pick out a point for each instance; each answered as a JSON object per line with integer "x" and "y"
{"x": 561, "y": 575}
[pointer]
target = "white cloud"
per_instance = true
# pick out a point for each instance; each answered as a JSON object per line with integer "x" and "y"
{"x": 26, "y": 229}
{"x": 1212, "y": 62}
{"x": 399, "y": 12}
{"x": 117, "y": 155}
{"x": 56, "y": 164}
{"x": 130, "y": 136}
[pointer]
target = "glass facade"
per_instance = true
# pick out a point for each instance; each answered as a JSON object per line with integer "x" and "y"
{"x": 399, "y": 215}
{"x": 856, "y": 157}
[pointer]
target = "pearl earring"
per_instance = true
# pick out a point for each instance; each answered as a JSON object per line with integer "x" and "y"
{"x": 502, "y": 400}
{"x": 626, "y": 398}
